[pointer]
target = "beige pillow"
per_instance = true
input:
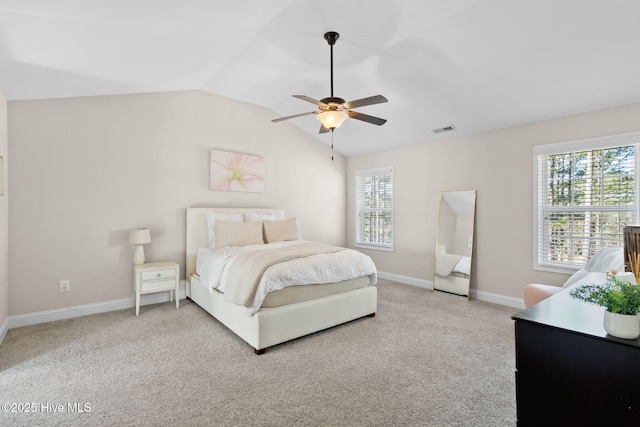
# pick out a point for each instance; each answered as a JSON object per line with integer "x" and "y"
{"x": 238, "y": 234}
{"x": 211, "y": 224}
{"x": 277, "y": 231}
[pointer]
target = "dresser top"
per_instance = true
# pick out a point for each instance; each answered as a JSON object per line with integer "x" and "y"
{"x": 561, "y": 311}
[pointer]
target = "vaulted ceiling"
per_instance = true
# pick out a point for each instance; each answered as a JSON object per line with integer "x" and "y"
{"x": 478, "y": 65}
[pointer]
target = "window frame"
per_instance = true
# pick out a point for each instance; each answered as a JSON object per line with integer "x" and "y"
{"x": 598, "y": 143}
{"x": 357, "y": 226}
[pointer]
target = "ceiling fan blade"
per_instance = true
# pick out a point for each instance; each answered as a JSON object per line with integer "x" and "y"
{"x": 377, "y": 99}
{"x": 309, "y": 99}
{"x": 279, "y": 119}
{"x": 366, "y": 118}
{"x": 323, "y": 129}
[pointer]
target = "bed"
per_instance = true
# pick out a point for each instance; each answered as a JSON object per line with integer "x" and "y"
{"x": 283, "y": 314}
{"x": 452, "y": 272}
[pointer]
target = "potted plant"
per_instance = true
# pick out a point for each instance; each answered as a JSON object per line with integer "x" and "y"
{"x": 621, "y": 301}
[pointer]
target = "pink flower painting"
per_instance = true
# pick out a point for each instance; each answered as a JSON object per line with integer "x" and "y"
{"x": 236, "y": 172}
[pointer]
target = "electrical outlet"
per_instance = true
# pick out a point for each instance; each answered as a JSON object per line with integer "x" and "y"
{"x": 65, "y": 286}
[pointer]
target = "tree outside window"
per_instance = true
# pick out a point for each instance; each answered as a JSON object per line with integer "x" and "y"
{"x": 585, "y": 198}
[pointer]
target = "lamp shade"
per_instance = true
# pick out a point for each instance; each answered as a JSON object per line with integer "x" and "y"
{"x": 139, "y": 236}
{"x": 332, "y": 119}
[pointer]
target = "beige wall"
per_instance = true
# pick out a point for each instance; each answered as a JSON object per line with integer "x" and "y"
{"x": 499, "y": 165}
{"x": 86, "y": 170}
{"x": 464, "y": 229}
{"x": 4, "y": 219}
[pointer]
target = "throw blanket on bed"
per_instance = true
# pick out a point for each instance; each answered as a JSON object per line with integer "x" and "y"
{"x": 445, "y": 264}
{"x": 245, "y": 272}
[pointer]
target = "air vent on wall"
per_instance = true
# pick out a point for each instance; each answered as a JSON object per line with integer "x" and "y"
{"x": 445, "y": 129}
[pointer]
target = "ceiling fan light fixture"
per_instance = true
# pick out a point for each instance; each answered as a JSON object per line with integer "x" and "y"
{"x": 332, "y": 119}
{"x": 332, "y": 111}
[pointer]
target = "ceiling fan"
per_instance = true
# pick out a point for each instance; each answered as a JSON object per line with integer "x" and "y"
{"x": 332, "y": 111}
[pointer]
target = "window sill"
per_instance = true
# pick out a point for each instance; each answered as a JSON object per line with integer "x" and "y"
{"x": 374, "y": 248}
{"x": 556, "y": 269}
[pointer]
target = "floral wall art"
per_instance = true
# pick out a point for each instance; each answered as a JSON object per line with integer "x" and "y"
{"x": 236, "y": 172}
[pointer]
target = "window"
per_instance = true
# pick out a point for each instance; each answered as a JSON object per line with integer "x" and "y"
{"x": 374, "y": 211}
{"x": 586, "y": 192}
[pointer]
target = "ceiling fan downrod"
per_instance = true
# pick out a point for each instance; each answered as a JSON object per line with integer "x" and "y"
{"x": 331, "y": 37}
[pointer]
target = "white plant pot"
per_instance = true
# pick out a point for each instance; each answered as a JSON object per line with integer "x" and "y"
{"x": 626, "y": 326}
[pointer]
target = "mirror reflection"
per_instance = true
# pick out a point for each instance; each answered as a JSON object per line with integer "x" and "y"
{"x": 454, "y": 242}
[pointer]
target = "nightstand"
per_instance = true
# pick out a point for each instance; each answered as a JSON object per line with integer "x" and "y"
{"x": 156, "y": 277}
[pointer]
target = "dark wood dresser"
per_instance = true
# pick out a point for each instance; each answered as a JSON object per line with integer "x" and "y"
{"x": 569, "y": 372}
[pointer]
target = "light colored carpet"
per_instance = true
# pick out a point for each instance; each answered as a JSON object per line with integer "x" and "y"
{"x": 428, "y": 359}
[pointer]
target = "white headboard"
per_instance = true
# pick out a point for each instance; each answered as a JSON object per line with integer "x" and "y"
{"x": 197, "y": 232}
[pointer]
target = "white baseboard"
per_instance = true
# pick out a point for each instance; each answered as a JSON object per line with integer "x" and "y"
{"x": 28, "y": 319}
{"x": 479, "y": 295}
{"x": 498, "y": 299}
{"x": 3, "y": 330}
{"x": 421, "y": 283}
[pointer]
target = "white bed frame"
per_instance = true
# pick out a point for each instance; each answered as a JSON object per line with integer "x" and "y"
{"x": 269, "y": 326}
{"x": 452, "y": 284}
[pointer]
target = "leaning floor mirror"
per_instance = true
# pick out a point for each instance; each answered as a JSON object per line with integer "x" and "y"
{"x": 454, "y": 242}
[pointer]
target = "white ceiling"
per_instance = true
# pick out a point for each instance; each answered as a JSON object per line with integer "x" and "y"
{"x": 460, "y": 202}
{"x": 478, "y": 65}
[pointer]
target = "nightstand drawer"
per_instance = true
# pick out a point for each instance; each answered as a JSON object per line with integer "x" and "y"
{"x": 161, "y": 285}
{"x": 159, "y": 274}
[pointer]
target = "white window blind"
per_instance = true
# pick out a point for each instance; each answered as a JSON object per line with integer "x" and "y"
{"x": 374, "y": 208}
{"x": 586, "y": 193}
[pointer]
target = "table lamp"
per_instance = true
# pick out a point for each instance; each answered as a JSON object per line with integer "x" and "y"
{"x": 139, "y": 237}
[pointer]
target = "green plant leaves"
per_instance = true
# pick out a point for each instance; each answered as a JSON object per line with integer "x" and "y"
{"x": 615, "y": 296}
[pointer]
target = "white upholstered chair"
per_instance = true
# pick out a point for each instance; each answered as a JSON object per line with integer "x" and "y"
{"x": 611, "y": 258}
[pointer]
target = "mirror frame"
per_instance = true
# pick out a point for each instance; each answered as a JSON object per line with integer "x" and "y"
{"x": 454, "y": 284}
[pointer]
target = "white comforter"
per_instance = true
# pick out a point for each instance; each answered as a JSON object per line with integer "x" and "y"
{"x": 212, "y": 266}
{"x": 450, "y": 263}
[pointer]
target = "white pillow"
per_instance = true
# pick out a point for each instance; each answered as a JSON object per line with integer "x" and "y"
{"x": 277, "y": 231}
{"x": 238, "y": 234}
{"x": 251, "y": 217}
{"x": 211, "y": 224}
